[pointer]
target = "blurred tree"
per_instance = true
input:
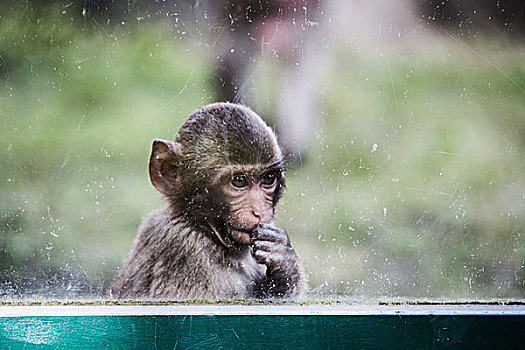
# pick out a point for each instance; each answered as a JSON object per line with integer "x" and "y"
{"x": 468, "y": 17}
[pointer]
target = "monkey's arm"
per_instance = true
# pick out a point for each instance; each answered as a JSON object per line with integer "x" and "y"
{"x": 284, "y": 276}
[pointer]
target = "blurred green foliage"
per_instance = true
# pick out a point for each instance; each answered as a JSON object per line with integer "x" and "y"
{"x": 414, "y": 185}
{"x": 417, "y": 180}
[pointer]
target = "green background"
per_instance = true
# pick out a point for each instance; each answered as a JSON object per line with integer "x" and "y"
{"x": 435, "y": 210}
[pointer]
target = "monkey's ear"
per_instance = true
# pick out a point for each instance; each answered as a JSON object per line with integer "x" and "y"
{"x": 163, "y": 164}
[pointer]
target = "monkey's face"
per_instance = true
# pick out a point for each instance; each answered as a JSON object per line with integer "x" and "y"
{"x": 223, "y": 171}
{"x": 250, "y": 196}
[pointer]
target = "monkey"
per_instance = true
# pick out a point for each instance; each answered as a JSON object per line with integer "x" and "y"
{"x": 222, "y": 178}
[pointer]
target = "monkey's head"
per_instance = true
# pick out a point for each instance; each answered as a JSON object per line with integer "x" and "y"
{"x": 224, "y": 171}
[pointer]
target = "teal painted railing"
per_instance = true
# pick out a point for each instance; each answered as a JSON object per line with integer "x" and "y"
{"x": 287, "y": 326}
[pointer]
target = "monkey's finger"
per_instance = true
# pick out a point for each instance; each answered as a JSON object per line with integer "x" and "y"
{"x": 262, "y": 257}
{"x": 273, "y": 235}
{"x": 264, "y": 245}
{"x": 271, "y": 228}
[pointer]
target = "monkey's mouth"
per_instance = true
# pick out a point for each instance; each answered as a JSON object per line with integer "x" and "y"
{"x": 241, "y": 235}
{"x": 232, "y": 236}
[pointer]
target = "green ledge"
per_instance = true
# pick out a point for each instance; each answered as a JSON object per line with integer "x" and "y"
{"x": 102, "y": 324}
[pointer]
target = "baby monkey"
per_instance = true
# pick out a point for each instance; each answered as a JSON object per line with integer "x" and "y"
{"x": 222, "y": 178}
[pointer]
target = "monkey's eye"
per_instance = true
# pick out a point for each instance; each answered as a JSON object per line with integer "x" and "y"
{"x": 269, "y": 179}
{"x": 239, "y": 181}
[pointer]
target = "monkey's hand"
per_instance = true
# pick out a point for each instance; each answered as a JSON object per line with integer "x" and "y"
{"x": 271, "y": 247}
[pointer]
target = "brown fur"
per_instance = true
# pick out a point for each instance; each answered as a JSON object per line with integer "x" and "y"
{"x": 188, "y": 250}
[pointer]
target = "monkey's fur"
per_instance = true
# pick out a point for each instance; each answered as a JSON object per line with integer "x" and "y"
{"x": 212, "y": 241}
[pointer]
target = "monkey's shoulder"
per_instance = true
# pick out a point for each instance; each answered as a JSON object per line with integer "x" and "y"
{"x": 156, "y": 220}
{"x": 162, "y": 225}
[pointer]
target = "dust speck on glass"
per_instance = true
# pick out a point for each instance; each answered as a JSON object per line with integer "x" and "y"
{"x": 403, "y": 123}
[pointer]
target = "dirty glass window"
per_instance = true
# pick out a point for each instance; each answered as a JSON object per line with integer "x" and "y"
{"x": 404, "y": 122}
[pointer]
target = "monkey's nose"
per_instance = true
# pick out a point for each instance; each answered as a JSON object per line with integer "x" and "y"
{"x": 256, "y": 217}
{"x": 257, "y": 206}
